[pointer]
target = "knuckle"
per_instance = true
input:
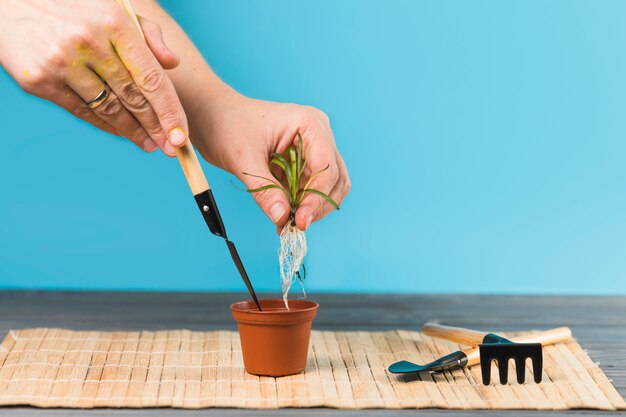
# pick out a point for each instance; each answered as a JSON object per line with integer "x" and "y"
{"x": 81, "y": 37}
{"x": 138, "y": 135}
{"x": 347, "y": 186}
{"x": 172, "y": 115}
{"x": 311, "y": 120}
{"x": 333, "y": 174}
{"x": 157, "y": 134}
{"x": 322, "y": 116}
{"x": 132, "y": 130}
{"x": 262, "y": 197}
{"x": 82, "y": 112}
{"x": 112, "y": 17}
{"x": 311, "y": 114}
{"x": 169, "y": 117}
{"x": 152, "y": 81}
{"x": 111, "y": 107}
{"x": 152, "y": 125}
{"x": 35, "y": 81}
{"x": 56, "y": 58}
{"x": 132, "y": 97}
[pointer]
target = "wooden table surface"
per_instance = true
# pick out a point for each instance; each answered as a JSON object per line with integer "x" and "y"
{"x": 599, "y": 323}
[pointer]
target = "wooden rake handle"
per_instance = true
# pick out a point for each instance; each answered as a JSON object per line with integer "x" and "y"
{"x": 468, "y": 336}
{"x": 186, "y": 153}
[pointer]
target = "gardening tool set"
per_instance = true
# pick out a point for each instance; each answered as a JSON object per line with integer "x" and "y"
{"x": 487, "y": 347}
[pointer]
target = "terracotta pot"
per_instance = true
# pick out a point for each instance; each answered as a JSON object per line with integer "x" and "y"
{"x": 275, "y": 341}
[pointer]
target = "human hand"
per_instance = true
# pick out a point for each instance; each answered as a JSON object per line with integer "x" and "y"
{"x": 68, "y": 51}
{"x": 246, "y": 133}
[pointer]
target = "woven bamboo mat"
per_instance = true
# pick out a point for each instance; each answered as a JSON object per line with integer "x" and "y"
{"x": 185, "y": 369}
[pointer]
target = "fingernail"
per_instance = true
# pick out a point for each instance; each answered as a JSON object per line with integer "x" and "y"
{"x": 149, "y": 145}
{"x": 177, "y": 136}
{"x": 277, "y": 211}
{"x": 308, "y": 222}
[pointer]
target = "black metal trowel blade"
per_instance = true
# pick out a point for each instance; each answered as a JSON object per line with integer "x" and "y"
{"x": 208, "y": 208}
{"x": 242, "y": 271}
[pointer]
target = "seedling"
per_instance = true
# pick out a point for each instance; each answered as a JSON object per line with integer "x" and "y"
{"x": 288, "y": 172}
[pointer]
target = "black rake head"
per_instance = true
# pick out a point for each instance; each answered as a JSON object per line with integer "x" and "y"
{"x": 501, "y": 350}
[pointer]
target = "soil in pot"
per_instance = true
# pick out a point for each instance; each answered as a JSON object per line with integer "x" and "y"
{"x": 275, "y": 341}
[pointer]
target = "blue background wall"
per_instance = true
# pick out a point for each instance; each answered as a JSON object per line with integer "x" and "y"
{"x": 486, "y": 142}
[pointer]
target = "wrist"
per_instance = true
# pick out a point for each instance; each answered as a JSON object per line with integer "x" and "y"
{"x": 218, "y": 112}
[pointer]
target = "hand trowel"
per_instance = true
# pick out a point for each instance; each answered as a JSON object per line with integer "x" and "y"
{"x": 206, "y": 203}
{"x": 200, "y": 187}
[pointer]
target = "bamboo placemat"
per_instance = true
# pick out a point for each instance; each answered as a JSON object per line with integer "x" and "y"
{"x": 185, "y": 369}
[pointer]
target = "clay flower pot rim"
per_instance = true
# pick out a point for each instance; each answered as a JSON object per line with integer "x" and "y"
{"x": 250, "y": 307}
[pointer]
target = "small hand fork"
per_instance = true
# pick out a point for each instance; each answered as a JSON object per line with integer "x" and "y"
{"x": 493, "y": 347}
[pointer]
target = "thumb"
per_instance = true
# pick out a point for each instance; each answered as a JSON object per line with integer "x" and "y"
{"x": 271, "y": 200}
{"x": 154, "y": 39}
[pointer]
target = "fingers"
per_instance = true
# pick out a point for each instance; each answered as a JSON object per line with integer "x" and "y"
{"x": 273, "y": 202}
{"x": 319, "y": 157}
{"x": 115, "y": 74}
{"x": 339, "y": 191}
{"x": 154, "y": 38}
{"x": 88, "y": 85}
{"x": 152, "y": 81}
{"x": 66, "y": 54}
{"x": 71, "y": 102}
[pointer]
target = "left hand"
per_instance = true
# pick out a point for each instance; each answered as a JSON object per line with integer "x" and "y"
{"x": 246, "y": 132}
{"x": 73, "y": 51}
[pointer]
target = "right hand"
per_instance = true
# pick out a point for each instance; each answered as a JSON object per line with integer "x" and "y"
{"x": 66, "y": 50}
{"x": 241, "y": 136}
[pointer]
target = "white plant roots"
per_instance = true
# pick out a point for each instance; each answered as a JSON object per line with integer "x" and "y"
{"x": 290, "y": 256}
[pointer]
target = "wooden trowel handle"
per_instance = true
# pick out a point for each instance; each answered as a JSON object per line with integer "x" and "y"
{"x": 192, "y": 169}
{"x": 471, "y": 337}
{"x": 548, "y": 337}
{"x": 186, "y": 154}
{"x": 460, "y": 335}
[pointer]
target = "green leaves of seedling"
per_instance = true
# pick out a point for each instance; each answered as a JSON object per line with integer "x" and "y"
{"x": 290, "y": 167}
{"x": 321, "y": 194}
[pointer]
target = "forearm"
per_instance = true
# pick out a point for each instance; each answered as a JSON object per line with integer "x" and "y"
{"x": 203, "y": 94}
